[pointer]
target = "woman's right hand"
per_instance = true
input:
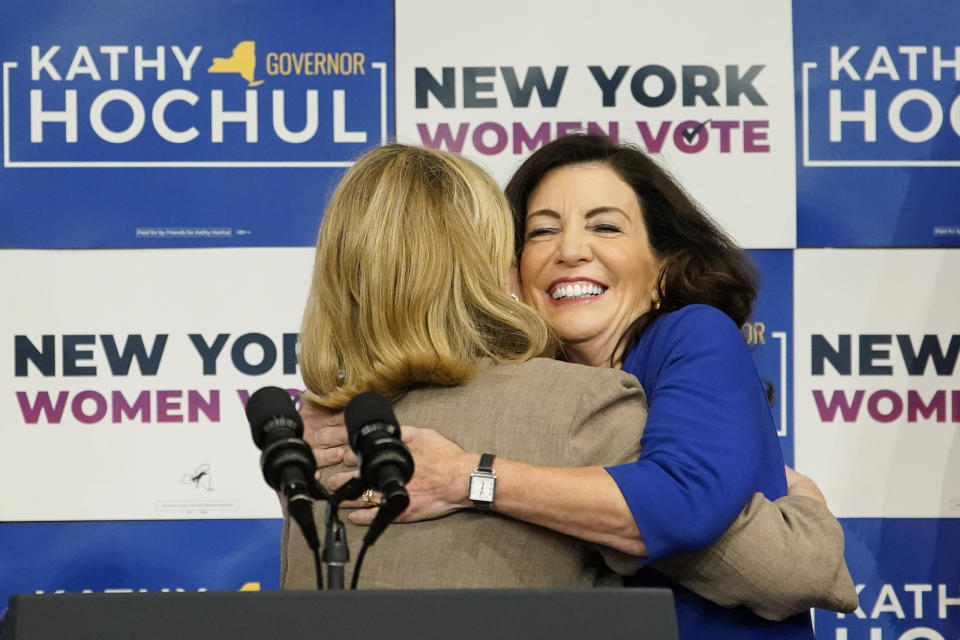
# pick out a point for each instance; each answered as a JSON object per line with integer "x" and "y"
{"x": 800, "y": 485}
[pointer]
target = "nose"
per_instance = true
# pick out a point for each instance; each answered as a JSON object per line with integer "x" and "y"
{"x": 574, "y": 247}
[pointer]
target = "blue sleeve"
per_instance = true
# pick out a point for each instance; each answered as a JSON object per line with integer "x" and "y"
{"x": 704, "y": 439}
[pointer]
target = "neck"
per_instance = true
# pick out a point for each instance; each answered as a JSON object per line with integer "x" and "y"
{"x": 595, "y": 353}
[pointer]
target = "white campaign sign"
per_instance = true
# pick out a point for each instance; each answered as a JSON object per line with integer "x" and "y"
{"x": 104, "y": 418}
{"x": 878, "y": 403}
{"x": 707, "y": 87}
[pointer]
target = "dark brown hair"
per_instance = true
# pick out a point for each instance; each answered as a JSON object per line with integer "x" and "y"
{"x": 701, "y": 264}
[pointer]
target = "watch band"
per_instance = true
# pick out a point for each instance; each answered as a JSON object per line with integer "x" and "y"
{"x": 486, "y": 463}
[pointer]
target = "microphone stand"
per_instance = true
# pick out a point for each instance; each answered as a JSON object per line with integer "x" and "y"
{"x": 335, "y": 551}
{"x": 300, "y": 493}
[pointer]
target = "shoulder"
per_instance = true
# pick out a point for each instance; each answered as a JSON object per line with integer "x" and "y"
{"x": 556, "y": 373}
{"x": 539, "y": 381}
{"x": 569, "y": 389}
{"x": 696, "y": 327}
{"x": 524, "y": 410}
{"x": 697, "y": 318}
{"x": 694, "y": 336}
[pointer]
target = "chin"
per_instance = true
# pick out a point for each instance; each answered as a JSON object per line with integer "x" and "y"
{"x": 573, "y": 336}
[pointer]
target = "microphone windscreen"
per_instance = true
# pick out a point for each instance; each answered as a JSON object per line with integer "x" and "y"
{"x": 266, "y": 404}
{"x": 364, "y": 409}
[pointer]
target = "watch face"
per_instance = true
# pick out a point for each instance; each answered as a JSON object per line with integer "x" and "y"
{"x": 481, "y": 488}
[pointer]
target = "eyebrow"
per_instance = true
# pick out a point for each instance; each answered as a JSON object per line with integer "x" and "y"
{"x": 589, "y": 214}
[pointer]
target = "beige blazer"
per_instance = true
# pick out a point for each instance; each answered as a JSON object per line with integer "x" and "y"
{"x": 554, "y": 413}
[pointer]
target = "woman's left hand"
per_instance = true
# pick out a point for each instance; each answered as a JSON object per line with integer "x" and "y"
{"x": 439, "y": 484}
{"x": 325, "y": 432}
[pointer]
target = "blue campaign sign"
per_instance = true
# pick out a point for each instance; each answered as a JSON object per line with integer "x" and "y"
{"x": 185, "y": 124}
{"x": 184, "y": 555}
{"x": 878, "y": 123}
{"x": 770, "y": 336}
{"x": 906, "y": 574}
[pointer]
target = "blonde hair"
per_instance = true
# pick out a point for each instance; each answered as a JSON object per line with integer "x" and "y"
{"x": 409, "y": 280}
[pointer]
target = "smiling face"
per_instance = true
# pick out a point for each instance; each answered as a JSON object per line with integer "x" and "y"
{"x": 587, "y": 265}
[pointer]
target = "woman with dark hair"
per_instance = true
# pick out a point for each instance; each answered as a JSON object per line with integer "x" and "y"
{"x": 629, "y": 273}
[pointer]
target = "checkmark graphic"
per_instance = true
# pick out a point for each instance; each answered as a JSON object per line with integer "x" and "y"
{"x": 690, "y": 134}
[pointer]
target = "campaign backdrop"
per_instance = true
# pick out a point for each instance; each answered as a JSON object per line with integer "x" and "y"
{"x": 164, "y": 174}
{"x": 132, "y": 379}
{"x": 202, "y": 124}
{"x": 877, "y": 390}
{"x": 716, "y": 109}
{"x": 770, "y": 336}
{"x": 142, "y": 556}
{"x": 877, "y": 408}
{"x": 878, "y": 96}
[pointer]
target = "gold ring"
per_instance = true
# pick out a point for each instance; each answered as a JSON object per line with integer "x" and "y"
{"x": 367, "y": 498}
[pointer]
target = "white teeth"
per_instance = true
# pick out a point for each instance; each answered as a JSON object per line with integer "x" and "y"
{"x": 578, "y": 290}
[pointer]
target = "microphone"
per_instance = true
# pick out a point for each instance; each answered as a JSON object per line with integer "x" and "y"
{"x": 288, "y": 466}
{"x": 385, "y": 462}
{"x": 374, "y": 434}
{"x": 287, "y": 461}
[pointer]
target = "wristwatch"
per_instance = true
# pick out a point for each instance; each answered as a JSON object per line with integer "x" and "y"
{"x": 483, "y": 483}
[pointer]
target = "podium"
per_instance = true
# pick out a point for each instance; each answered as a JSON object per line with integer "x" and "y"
{"x": 501, "y": 614}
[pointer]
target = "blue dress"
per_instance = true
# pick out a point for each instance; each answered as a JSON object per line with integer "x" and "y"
{"x": 709, "y": 444}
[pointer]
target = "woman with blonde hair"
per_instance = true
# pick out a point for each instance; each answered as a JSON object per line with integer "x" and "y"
{"x": 409, "y": 280}
{"x": 410, "y": 298}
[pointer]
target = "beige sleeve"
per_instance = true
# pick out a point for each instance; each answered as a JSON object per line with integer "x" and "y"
{"x": 606, "y": 431}
{"x": 609, "y": 421}
{"x": 778, "y": 559}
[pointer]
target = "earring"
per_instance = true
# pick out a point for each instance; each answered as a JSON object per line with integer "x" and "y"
{"x": 514, "y": 296}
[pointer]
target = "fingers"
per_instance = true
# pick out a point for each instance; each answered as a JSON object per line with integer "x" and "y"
{"x": 332, "y": 420}
{"x": 333, "y": 456}
{"x": 800, "y": 485}
{"x": 407, "y": 433}
{"x": 375, "y": 497}
{"x": 363, "y": 517}
{"x": 349, "y": 457}
{"x": 325, "y": 436}
{"x": 328, "y": 457}
{"x": 793, "y": 475}
{"x": 323, "y": 428}
{"x": 337, "y": 480}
